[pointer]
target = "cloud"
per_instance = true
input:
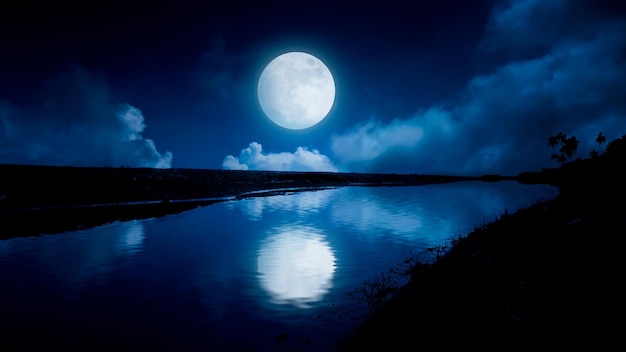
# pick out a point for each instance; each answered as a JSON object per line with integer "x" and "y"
{"x": 132, "y": 121}
{"x": 215, "y": 71}
{"x": 374, "y": 140}
{"x": 508, "y": 27}
{"x": 533, "y": 27}
{"x": 142, "y": 152}
{"x": 77, "y": 124}
{"x": 502, "y": 119}
{"x": 253, "y": 158}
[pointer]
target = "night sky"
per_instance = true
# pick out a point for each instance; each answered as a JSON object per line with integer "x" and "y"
{"x": 431, "y": 87}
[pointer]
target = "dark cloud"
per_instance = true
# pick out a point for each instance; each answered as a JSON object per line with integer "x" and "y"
{"x": 74, "y": 122}
{"x": 561, "y": 80}
{"x": 531, "y": 28}
{"x": 216, "y": 70}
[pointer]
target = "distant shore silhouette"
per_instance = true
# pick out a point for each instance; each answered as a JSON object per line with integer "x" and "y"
{"x": 50, "y": 199}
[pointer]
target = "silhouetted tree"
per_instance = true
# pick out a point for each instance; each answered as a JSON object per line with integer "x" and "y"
{"x": 557, "y": 139}
{"x": 568, "y": 147}
{"x": 560, "y": 158}
{"x": 600, "y": 139}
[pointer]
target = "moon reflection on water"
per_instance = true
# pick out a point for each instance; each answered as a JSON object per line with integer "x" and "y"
{"x": 296, "y": 265}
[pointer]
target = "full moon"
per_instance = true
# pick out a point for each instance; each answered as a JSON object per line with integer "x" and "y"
{"x": 296, "y": 90}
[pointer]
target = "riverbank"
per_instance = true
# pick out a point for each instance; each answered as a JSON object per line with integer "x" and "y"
{"x": 28, "y": 186}
{"x": 49, "y": 199}
{"x": 549, "y": 275}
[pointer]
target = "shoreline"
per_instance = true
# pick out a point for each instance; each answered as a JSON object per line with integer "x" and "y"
{"x": 36, "y": 200}
{"x": 39, "y": 186}
{"x": 547, "y": 274}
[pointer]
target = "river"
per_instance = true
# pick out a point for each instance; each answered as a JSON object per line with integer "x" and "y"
{"x": 258, "y": 274}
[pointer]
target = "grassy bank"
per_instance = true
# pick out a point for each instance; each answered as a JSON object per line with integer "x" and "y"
{"x": 548, "y": 275}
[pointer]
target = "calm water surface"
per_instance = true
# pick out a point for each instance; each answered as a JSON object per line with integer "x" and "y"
{"x": 255, "y": 274}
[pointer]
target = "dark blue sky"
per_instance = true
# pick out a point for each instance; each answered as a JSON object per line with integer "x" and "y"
{"x": 453, "y": 87}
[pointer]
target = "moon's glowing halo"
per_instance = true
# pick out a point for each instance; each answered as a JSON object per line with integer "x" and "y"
{"x": 296, "y": 90}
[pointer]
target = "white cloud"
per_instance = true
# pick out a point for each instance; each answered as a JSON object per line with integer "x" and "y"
{"x": 132, "y": 122}
{"x": 374, "y": 140}
{"x": 253, "y": 158}
{"x": 77, "y": 125}
{"x": 144, "y": 151}
{"x": 232, "y": 163}
{"x": 371, "y": 140}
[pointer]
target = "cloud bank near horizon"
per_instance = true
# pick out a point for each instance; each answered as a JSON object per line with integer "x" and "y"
{"x": 554, "y": 76}
{"x": 254, "y": 158}
{"x": 77, "y": 124}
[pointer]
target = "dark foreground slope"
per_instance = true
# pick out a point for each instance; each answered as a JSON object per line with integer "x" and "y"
{"x": 48, "y": 199}
{"x": 544, "y": 274}
{"x": 549, "y": 275}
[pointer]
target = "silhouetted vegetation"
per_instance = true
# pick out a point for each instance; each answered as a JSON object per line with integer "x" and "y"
{"x": 567, "y": 147}
{"x": 600, "y": 139}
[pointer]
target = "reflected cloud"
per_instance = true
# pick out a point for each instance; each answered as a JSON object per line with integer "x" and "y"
{"x": 303, "y": 203}
{"x": 130, "y": 241}
{"x": 395, "y": 213}
{"x": 430, "y": 213}
{"x": 373, "y": 215}
{"x": 81, "y": 257}
{"x": 296, "y": 265}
